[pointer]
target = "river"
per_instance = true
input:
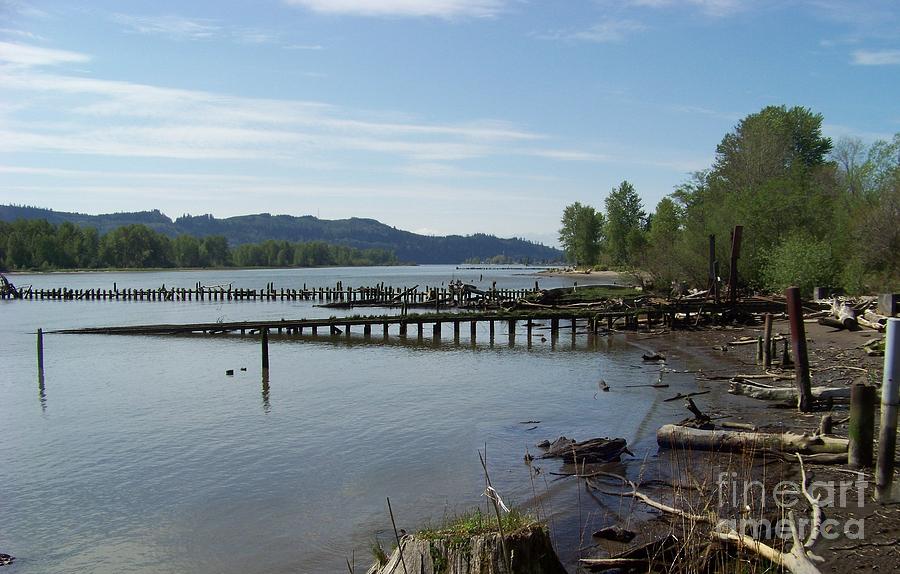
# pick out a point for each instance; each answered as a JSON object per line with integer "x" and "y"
{"x": 139, "y": 455}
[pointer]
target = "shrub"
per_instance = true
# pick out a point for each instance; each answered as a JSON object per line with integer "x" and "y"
{"x": 801, "y": 261}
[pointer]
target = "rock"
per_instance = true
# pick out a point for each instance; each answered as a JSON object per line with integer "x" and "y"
{"x": 6, "y": 559}
{"x": 615, "y": 533}
{"x": 590, "y": 451}
{"x": 229, "y": 372}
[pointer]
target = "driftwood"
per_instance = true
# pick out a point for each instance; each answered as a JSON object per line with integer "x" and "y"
{"x": 799, "y": 560}
{"x": 657, "y": 553}
{"x": 587, "y": 452}
{"x": 739, "y": 426}
{"x": 767, "y": 393}
{"x": 675, "y": 436}
{"x": 844, "y": 313}
{"x": 685, "y": 396}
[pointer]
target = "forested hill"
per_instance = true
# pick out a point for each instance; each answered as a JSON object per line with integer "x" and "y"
{"x": 354, "y": 232}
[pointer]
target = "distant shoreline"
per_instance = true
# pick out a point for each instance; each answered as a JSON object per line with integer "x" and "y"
{"x": 180, "y": 269}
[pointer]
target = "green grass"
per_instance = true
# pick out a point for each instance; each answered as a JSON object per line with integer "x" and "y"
{"x": 461, "y": 527}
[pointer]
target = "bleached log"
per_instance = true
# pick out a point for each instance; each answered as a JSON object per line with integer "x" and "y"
{"x": 675, "y": 436}
{"x": 843, "y": 312}
{"x": 785, "y": 393}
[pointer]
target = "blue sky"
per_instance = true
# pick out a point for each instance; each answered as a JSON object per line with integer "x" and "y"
{"x": 438, "y": 116}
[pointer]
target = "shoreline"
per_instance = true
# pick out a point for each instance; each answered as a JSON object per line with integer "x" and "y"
{"x": 830, "y": 352}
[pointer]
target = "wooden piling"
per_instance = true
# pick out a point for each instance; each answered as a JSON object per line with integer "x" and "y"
{"x": 801, "y": 357}
{"x": 862, "y": 425}
{"x": 736, "y": 236}
{"x": 40, "y": 350}
{"x": 767, "y": 341}
{"x": 890, "y": 400}
{"x": 264, "y": 337}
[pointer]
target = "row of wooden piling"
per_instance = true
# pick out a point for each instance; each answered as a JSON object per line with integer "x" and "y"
{"x": 371, "y": 295}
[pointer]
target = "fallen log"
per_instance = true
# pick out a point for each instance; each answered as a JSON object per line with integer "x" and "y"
{"x": 785, "y": 393}
{"x": 674, "y": 436}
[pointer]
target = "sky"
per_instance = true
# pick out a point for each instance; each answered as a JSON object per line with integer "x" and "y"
{"x": 435, "y": 116}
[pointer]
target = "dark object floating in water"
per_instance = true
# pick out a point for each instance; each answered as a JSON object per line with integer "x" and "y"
{"x": 229, "y": 372}
{"x": 243, "y": 369}
{"x": 589, "y": 451}
{"x": 603, "y": 386}
{"x": 6, "y": 559}
{"x": 615, "y": 533}
{"x": 529, "y": 422}
{"x": 653, "y": 357}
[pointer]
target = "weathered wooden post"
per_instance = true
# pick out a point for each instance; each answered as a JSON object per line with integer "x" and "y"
{"x": 491, "y": 322}
{"x": 512, "y": 330}
{"x": 473, "y": 324}
{"x": 264, "y": 333}
{"x": 40, "y": 350}
{"x": 456, "y": 331}
{"x": 436, "y": 331}
{"x": 367, "y": 330}
{"x": 890, "y": 398}
{"x": 801, "y": 357}
{"x": 712, "y": 280}
{"x": 767, "y": 341}
{"x": 862, "y": 425}
{"x": 759, "y": 350}
{"x": 736, "y": 236}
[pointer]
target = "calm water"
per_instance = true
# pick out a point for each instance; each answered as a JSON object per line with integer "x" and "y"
{"x": 139, "y": 455}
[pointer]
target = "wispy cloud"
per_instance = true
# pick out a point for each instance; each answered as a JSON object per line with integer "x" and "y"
{"x": 607, "y": 31}
{"x": 176, "y": 27}
{"x": 413, "y": 8}
{"x": 20, "y": 34}
{"x": 719, "y": 8}
{"x": 125, "y": 119}
{"x": 19, "y": 8}
{"x": 28, "y": 55}
{"x": 876, "y": 57}
{"x": 304, "y": 47}
{"x": 172, "y": 26}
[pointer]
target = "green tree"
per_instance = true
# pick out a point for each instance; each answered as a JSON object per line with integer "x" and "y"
{"x": 625, "y": 220}
{"x": 581, "y": 233}
{"x": 661, "y": 255}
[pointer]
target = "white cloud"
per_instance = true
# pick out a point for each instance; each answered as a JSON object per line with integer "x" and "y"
{"x": 876, "y": 57}
{"x": 420, "y": 8}
{"x": 25, "y": 55}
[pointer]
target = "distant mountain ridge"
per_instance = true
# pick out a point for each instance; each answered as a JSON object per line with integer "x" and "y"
{"x": 354, "y": 232}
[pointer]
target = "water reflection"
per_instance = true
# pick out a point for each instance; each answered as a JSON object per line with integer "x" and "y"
{"x": 42, "y": 391}
{"x": 265, "y": 392}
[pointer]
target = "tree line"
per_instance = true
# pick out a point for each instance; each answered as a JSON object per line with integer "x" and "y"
{"x": 36, "y": 244}
{"x": 815, "y": 212}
